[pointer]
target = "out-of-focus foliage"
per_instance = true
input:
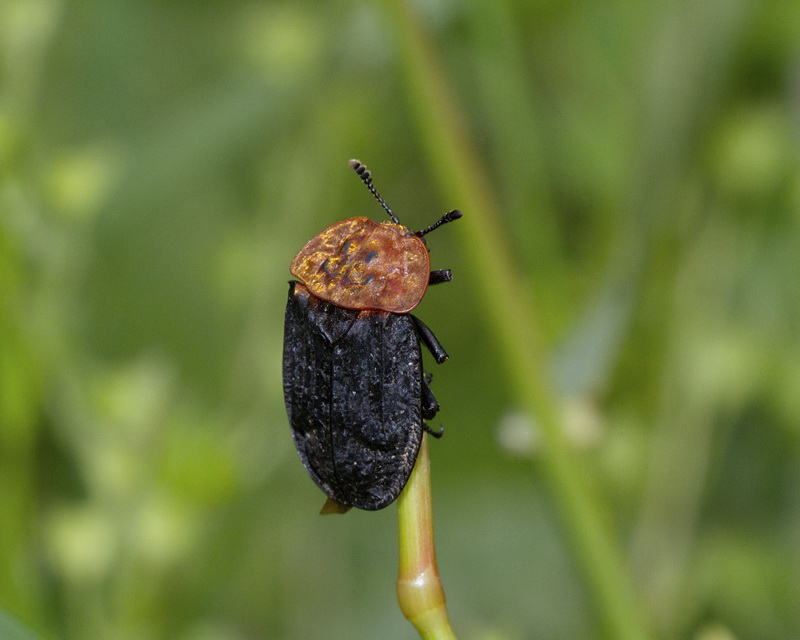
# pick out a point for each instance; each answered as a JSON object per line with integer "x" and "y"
{"x": 162, "y": 161}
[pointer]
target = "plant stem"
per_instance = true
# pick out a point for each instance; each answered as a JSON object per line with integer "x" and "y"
{"x": 419, "y": 589}
{"x": 513, "y": 322}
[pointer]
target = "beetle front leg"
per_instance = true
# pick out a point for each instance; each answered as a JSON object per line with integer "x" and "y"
{"x": 440, "y": 275}
{"x": 430, "y": 340}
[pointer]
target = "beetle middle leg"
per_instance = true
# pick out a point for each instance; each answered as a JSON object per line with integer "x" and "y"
{"x": 430, "y": 340}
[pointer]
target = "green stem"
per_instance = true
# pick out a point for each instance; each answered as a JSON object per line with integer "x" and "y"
{"x": 419, "y": 589}
{"x": 513, "y": 322}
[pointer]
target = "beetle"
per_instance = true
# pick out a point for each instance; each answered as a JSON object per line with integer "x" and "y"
{"x": 356, "y": 393}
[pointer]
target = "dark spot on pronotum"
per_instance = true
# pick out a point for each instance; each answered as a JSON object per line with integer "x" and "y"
{"x": 370, "y": 256}
{"x": 368, "y": 279}
{"x": 346, "y": 246}
{"x": 324, "y": 265}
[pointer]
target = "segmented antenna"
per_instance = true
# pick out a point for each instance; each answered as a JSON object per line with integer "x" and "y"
{"x": 455, "y": 214}
{"x": 366, "y": 178}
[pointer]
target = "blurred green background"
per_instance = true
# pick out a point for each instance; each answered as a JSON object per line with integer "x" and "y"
{"x": 161, "y": 162}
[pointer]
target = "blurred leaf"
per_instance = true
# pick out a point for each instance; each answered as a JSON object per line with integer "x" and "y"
{"x": 10, "y": 629}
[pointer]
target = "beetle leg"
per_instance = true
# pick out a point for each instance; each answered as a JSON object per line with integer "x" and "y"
{"x": 435, "y": 434}
{"x": 426, "y": 335}
{"x": 429, "y": 405}
{"x": 440, "y": 275}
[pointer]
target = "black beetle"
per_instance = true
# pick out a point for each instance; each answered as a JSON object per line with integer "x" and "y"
{"x": 355, "y": 390}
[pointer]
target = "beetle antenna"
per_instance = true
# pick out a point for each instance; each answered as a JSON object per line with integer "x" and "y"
{"x": 366, "y": 178}
{"x": 455, "y": 214}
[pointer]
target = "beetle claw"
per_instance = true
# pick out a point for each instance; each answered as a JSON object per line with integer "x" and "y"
{"x": 436, "y": 434}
